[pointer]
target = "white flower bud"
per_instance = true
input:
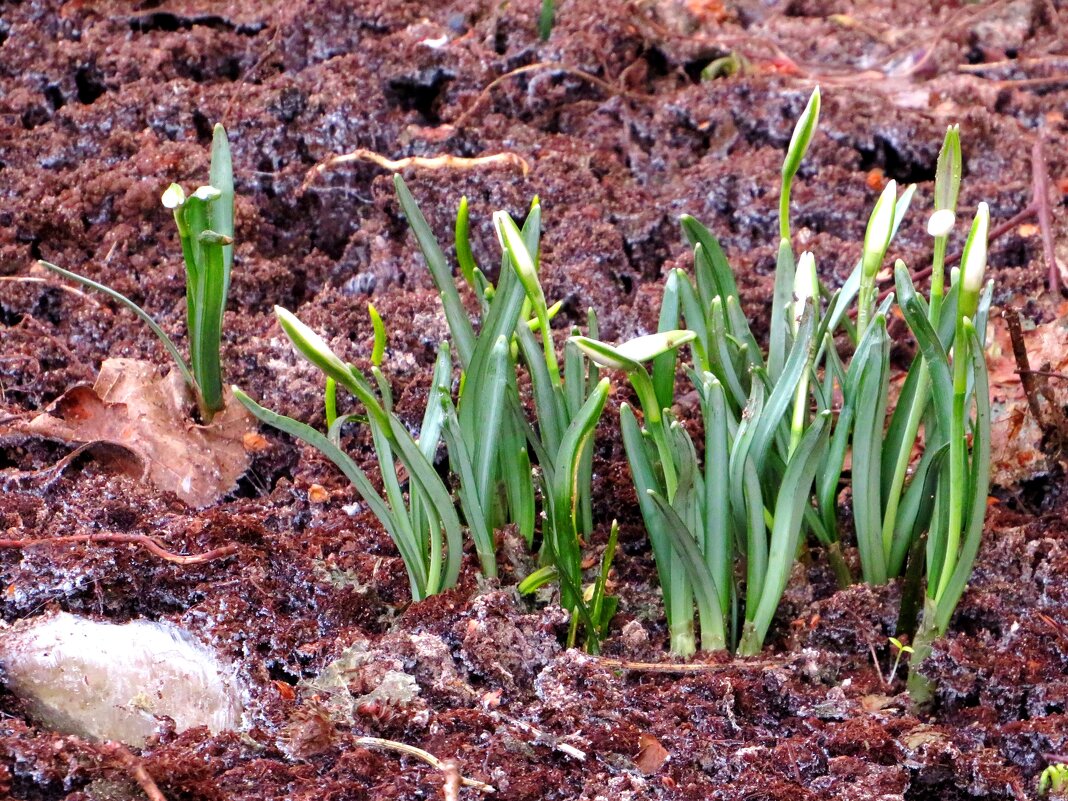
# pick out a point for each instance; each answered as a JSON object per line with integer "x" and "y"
{"x": 207, "y": 193}
{"x": 311, "y": 346}
{"x": 880, "y": 229}
{"x": 941, "y": 222}
{"x": 806, "y": 285}
{"x": 173, "y": 197}
{"x": 973, "y": 262}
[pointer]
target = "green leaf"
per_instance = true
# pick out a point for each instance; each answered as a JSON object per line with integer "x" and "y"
{"x": 978, "y": 484}
{"x": 714, "y": 275}
{"x": 717, "y": 536}
{"x": 464, "y": 256}
{"x": 870, "y": 414}
{"x": 664, "y": 363}
{"x": 790, "y": 505}
{"x": 470, "y": 501}
{"x": 781, "y": 301}
{"x": 463, "y": 334}
{"x": 378, "y": 350}
{"x": 414, "y": 560}
{"x": 221, "y": 176}
{"x": 538, "y": 579}
{"x": 563, "y": 540}
{"x": 700, "y": 577}
{"x": 145, "y": 317}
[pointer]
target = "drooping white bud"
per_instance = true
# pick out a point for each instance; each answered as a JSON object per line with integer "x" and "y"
{"x": 941, "y": 223}
{"x": 207, "y": 193}
{"x": 311, "y": 346}
{"x": 628, "y": 355}
{"x": 173, "y": 197}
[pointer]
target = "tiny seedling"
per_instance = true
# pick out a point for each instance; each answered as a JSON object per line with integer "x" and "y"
{"x": 205, "y": 221}
{"x": 1054, "y": 779}
{"x": 900, "y": 649}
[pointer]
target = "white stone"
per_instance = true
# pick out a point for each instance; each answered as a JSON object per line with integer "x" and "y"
{"x": 106, "y": 681}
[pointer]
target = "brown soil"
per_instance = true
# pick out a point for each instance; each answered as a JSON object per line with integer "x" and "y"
{"x": 104, "y": 103}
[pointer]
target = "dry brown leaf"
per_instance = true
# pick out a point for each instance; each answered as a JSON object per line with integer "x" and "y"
{"x": 651, "y": 754}
{"x": 1016, "y": 439}
{"x": 132, "y": 407}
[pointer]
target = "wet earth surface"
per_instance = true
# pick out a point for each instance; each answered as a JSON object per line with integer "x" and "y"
{"x": 102, "y": 104}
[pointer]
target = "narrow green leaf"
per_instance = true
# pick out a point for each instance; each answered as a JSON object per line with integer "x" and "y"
{"x": 464, "y": 256}
{"x": 463, "y": 334}
{"x": 790, "y": 505}
{"x": 414, "y": 561}
{"x": 145, "y": 317}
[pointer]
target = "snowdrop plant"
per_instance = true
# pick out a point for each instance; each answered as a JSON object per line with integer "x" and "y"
{"x": 422, "y": 522}
{"x": 205, "y": 221}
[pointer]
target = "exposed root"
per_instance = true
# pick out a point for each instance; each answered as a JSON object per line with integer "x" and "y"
{"x": 448, "y": 767}
{"x": 679, "y": 667}
{"x": 442, "y": 162}
{"x": 600, "y": 83}
{"x": 145, "y": 541}
{"x": 137, "y": 770}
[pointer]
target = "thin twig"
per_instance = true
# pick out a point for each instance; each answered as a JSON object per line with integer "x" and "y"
{"x": 1023, "y": 364}
{"x": 145, "y": 541}
{"x": 444, "y": 161}
{"x": 600, "y": 83}
{"x": 1040, "y": 184}
{"x": 678, "y": 667}
{"x": 137, "y": 770}
{"x": 426, "y": 756}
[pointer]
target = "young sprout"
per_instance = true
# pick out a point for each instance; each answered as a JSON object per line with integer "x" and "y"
{"x": 1054, "y": 779}
{"x": 900, "y": 649}
{"x": 205, "y": 222}
{"x": 545, "y": 19}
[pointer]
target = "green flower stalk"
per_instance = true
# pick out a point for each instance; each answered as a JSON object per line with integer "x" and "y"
{"x": 958, "y": 386}
{"x": 898, "y": 452}
{"x": 799, "y": 142}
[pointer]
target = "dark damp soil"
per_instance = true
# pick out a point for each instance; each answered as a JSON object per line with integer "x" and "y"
{"x": 104, "y": 103}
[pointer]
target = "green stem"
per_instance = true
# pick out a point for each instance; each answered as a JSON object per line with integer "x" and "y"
{"x": 938, "y": 278}
{"x": 842, "y": 574}
{"x": 784, "y": 210}
{"x": 958, "y": 477}
{"x": 797, "y": 424}
{"x": 921, "y": 689}
{"x": 904, "y": 455}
